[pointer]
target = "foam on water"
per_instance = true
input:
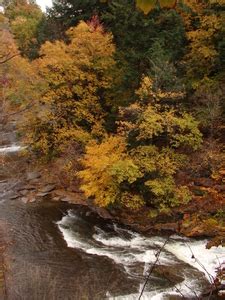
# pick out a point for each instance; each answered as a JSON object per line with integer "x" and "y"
{"x": 195, "y": 254}
{"x": 11, "y": 149}
{"x": 128, "y": 249}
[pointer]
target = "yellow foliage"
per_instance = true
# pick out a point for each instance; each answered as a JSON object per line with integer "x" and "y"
{"x": 77, "y": 76}
{"x": 97, "y": 177}
{"x": 8, "y": 47}
{"x": 20, "y": 85}
{"x": 107, "y": 167}
{"x": 203, "y": 52}
{"x": 148, "y": 5}
{"x": 125, "y": 171}
{"x": 132, "y": 201}
{"x": 156, "y": 119}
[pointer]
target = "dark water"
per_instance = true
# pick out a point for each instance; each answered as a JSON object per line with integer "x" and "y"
{"x": 42, "y": 266}
{"x": 62, "y": 251}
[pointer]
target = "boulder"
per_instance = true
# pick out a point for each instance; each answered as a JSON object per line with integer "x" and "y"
{"x": 103, "y": 213}
{"x": 29, "y": 187}
{"x": 42, "y": 194}
{"x": 169, "y": 272}
{"x": 47, "y": 188}
{"x": 24, "y": 192}
{"x": 56, "y": 198}
{"x": 33, "y": 199}
{"x": 14, "y": 196}
{"x": 25, "y": 200}
{"x": 174, "y": 227}
{"x": 33, "y": 175}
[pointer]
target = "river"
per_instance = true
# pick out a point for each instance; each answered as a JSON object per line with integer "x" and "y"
{"x": 64, "y": 251}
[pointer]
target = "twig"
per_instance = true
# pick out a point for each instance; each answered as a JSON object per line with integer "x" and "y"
{"x": 8, "y": 58}
{"x": 176, "y": 288}
{"x": 153, "y": 266}
{"x": 19, "y": 111}
{"x": 200, "y": 264}
{"x": 192, "y": 291}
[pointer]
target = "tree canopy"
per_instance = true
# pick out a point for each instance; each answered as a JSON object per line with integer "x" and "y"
{"x": 136, "y": 85}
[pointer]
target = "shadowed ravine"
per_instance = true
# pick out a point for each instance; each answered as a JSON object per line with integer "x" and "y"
{"x": 62, "y": 251}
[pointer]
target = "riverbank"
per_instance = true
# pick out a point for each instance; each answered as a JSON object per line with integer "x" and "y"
{"x": 35, "y": 198}
{"x": 30, "y": 188}
{"x": 203, "y": 216}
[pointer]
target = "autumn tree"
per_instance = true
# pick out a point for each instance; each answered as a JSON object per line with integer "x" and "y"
{"x": 159, "y": 45}
{"x": 25, "y": 21}
{"x": 8, "y": 48}
{"x": 204, "y": 64}
{"x": 77, "y": 75}
{"x": 8, "y": 52}
{"x": 138, "y": 166}
{"x": 19, "y": 83}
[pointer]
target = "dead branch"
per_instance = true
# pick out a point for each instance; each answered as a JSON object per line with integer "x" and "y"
{"x": 7, "y": 58}
{"x": 19, "y": 111}
{"x": 153, "y": 266}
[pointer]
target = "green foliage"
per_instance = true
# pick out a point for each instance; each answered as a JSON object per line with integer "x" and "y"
{"x": 25, "y": 19}
{"x": 127, "y": 86}
{"x": 144, "y": 170}
{"x": 157, "y": 120}
{"x": 206, "y": 39}
{"x": 136, "y": 54}
{"x": 125, "y": 171}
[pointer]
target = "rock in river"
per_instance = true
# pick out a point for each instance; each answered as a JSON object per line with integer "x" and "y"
{"x": 48, "y": 188}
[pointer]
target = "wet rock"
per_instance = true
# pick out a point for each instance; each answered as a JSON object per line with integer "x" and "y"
{"x": 60, "y": 193}
{"x": 66, "y": 199}
{"x": 167, "y": 227}
{"x": 48, "y": 188}
{"x": 42, "y": 194}
{"x": 14, "y": 196}
{"x": 24, "y": 192}
{"x": 29, "y": 187}
{"x": 103, "y": 213}
{"x": 35, "y": 181}
{"x": 3, "y": 181}
{"x": 218, "y": 240}
{"x": 33, "y": 199}
{"x": 169, "y": 272}
{"x": 75, "y": 190}
{"x": 70, "y": 197}
{"x": 33, "y": 175}
{"x": 25, "y": 200}
{"x": 57, "y": 198}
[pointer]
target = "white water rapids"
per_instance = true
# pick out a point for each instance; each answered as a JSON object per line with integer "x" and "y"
{"x": 11, "y": 149}
{"x": 135, "y": 253}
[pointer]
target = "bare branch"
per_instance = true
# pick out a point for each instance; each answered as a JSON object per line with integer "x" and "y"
{"x": 17, "y": 112}
{"x": 8, "y": 58}
{"x": 153, "y": 266}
